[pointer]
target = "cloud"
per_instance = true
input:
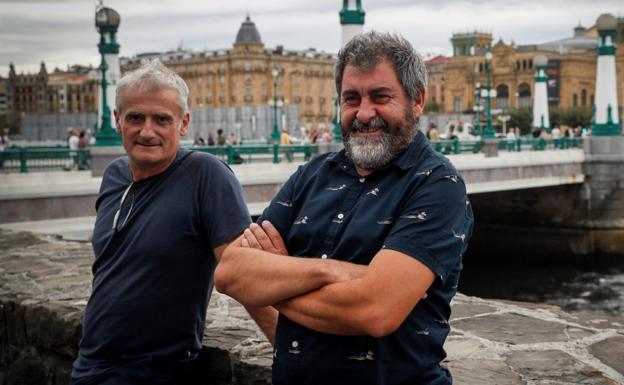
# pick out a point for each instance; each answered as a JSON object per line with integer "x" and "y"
{"x": 62, "y": 32}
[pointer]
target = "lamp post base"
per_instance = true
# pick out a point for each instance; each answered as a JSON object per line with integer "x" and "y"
{"x": 490, "y": 148}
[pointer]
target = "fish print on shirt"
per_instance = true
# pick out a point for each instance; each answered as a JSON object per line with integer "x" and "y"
{"x": 285, "y": 204}
{"x": 364, "y": 356}
{"x": 421, "y": 216}
{"x": 337, "y": 188}
{"x": 425, "y": 173}
{"x": 453, "y": 178}
{"x": 459, "y": 236}
{"x": 374, "y": 192}
{"x": 302, "y": 221}
{"x": 387, "y": 221}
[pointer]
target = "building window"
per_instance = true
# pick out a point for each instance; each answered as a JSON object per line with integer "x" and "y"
{"x": 575, "y": 100}
{"x": 457, "y": 104}
{"x": 583, "y": 97}
{"x": 524, "y": 95}
{"x": 502, "y": 96}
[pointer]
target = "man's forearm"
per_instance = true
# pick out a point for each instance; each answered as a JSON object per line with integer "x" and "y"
{"x": 334, "y": 309}
{"x": 266, "y": 319}
{"x": 257, "y": 278}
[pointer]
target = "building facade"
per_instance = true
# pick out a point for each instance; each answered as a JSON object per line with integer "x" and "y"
{"x": 59, "y": 92}
{"x": 571, "y": 71}
{"x": 242, "y": 77}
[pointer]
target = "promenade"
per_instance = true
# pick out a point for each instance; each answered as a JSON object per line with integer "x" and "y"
{"x": 45, "y": 283}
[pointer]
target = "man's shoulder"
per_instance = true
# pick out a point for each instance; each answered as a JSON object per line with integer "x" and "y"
{"x": 199, "y": 163}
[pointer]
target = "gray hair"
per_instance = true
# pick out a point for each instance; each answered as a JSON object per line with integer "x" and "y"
{"x": 367, "y": 50}
{"x": 153, "y": 76}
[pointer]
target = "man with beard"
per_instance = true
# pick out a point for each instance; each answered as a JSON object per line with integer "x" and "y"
{"x": 359, "y": 254}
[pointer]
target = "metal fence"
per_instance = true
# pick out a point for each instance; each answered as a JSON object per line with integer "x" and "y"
{"x": 25, "y": 159}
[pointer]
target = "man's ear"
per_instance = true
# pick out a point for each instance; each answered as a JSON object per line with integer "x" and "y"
{"x": 418, "y": 105}
{"x": 186, "y": 120}
{"x": 117, "y": 123}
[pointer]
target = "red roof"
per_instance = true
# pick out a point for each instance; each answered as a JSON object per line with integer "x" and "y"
{"x": 440, "y": 59}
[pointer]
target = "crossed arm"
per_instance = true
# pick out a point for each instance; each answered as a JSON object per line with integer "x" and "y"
{"x": 329, "y": 296}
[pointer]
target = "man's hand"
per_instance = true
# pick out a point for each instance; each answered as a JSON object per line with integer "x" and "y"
{"x": 265, "y": 238}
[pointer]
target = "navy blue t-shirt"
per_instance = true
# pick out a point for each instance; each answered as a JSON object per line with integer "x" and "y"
{"x": 416, "y": 205}
{"x": 153, "y": 277}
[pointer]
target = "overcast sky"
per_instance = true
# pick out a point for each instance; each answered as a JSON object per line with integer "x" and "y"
{"x": 62, "y": 32}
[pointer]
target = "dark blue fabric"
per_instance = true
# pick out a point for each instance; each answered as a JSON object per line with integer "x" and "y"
{"x": 417, "y": 205}
{"x": 152, "y": 279}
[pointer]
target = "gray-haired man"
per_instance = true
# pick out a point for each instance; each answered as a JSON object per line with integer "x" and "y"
{"x": 164, "y": 216}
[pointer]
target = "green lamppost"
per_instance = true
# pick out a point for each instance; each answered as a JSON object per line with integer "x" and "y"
{"x": 106, "y": 22}
{"x": 478, "y": 108}
{"x": 275, "y": 135}
{"x": 489, "y": 130}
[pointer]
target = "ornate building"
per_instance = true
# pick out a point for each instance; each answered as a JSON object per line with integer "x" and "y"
{"x": 71, "y": 91}
{"x": 571, "y": 71}
{"x": 242, "y": 77}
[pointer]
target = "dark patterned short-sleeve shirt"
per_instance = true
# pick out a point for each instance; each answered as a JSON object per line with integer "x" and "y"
{"x": 417, "y": 205}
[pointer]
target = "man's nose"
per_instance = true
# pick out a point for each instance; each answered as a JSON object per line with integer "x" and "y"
{"x": 366, "y": 111}
{"x": 148, "y": 128}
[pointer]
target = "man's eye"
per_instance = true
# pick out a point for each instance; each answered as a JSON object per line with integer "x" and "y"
{"x": 163, "y": 120}
{"x": 134, "y": 118}
{"x": 382, "y": 98}
{"x": 350, "y": 99}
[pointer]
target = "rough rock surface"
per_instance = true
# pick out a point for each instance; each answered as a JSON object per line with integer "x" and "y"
{"x": 45, "y": 283}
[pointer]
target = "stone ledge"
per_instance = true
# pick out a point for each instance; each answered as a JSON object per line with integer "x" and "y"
{"x": 45, "y": 282}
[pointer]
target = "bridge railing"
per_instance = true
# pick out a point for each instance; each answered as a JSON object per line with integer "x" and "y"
{"x": 25, "y": 159}
{"x": 456, "y": 146}
{"x": 540, "y": 144}
{"x": 261, "y": 153}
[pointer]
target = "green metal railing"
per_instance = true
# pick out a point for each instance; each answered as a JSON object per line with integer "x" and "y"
{"x": 25, "y": 159}
{"x": 261, "y": 153}
{"x": 456, "y": 146}
{"x": 540, "y": 144}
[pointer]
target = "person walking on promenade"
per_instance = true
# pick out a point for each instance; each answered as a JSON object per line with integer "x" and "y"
{"x": 359, "y": 253}
{"x": 4, "y": 144}
{"x": 164, "y": 217}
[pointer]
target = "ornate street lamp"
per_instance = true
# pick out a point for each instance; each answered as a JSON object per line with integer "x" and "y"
{"x": 489, "y": 130}
{"x": 106, "y": 22}
{"x": 275, "y": 136}
{"x": 478, "y": 108}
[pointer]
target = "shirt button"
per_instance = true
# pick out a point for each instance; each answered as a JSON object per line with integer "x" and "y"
{"x": 362, "y": 180}
{"x": 340, "y": 216}
{"x": 294, "y": 344}
{"x": 324, "y": 256}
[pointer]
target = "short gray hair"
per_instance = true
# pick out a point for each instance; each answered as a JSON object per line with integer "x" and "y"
{"x": 367, "y": 50}
{"x": 153, "y": 76}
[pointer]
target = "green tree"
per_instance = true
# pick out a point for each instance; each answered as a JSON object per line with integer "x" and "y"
{"x": 522, "y": 118}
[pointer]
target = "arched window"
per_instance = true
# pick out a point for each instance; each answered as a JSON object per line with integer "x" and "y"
{"x": 502, "y": 96}
{"x": 524, "y": 64}
{"x": 524, "y": 95}
{"x": 517, "y": 65}
{"x": 574, "y": 100}
{"x": 530, "y": 63}
{"x": 584, "y": 97}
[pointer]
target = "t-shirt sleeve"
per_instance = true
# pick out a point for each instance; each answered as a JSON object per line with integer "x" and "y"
{"x": 223, "y": 209}
{"x": 435, "y": 224}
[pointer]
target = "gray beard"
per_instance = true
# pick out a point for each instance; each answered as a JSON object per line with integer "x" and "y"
{"x": 373, "y": 153}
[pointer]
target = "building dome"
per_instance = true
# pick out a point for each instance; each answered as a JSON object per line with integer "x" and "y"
{"x": 606, "y": 22}
{"x": 579, "y": 41}
{"x": 248, "y": 33}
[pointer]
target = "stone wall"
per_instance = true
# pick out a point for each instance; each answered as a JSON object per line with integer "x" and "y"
{"x": 45, "y": 282}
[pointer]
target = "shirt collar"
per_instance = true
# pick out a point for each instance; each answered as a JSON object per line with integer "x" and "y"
{"x": 406, "y": 160}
